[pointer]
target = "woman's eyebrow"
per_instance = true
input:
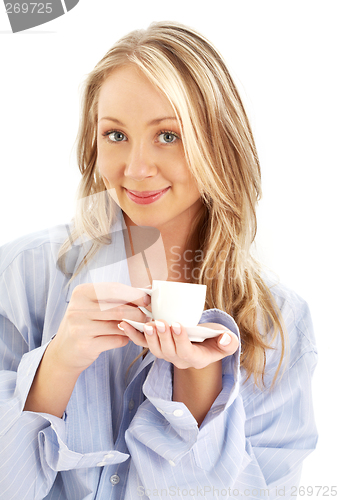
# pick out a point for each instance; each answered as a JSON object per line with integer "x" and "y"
{"x": 158, "y": 120}
{"x": 152, "y": 122}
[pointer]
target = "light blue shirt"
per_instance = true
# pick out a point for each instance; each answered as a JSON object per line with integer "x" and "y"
{"x": 122, "y": 436}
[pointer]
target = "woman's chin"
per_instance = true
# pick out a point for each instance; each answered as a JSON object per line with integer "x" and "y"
{"x": 138, "y": 220}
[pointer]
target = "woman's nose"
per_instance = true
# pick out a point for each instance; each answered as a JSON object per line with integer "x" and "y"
{"x": 139, "y": 164}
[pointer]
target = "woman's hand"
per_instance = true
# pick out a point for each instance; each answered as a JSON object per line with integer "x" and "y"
{"x": 90, "y": 324}
{"x": 197, "y": 372}
{"x": 89, "y": 327}
{"x": 173, "y": 345}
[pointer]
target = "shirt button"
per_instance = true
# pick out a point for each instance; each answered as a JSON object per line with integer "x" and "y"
{"x": 109, "y": 455}
{"x": 178, "y": 413}
{"x": 101, "y": 464}
{"x": 161, "y": 411}
{"x": 114, "y": 479}
{"x": 131, "y": 405}
{"x": 171, "y": 463}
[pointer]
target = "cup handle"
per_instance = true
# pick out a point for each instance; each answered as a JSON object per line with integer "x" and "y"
{"x": 146, "y": 311}
{"x": 143, "y": 309}
{"x": 146, "y": 290}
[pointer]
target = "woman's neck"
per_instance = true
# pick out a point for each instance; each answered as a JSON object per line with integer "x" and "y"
{"x": 180, "y": 252}
{"x": 180, "y": 249}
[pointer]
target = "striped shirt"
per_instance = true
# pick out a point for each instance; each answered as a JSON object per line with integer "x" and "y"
{"x": 122, "y": 436}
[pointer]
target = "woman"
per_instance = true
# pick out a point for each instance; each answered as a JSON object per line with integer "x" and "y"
{"x": 92, "y": 408}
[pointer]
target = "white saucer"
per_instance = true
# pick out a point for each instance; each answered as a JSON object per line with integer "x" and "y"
{"x": 195, "y": 333}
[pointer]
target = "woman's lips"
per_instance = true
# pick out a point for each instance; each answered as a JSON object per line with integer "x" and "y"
{"x": 146, "y": 197}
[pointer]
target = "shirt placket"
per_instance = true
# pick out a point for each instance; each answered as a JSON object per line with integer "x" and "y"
{"x": 114, "y": 477}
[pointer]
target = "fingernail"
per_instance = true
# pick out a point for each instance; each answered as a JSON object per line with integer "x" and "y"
{"x": 225, "y": 339}
{"x": 148, "y": 329}
{"x": 176, "y": 328}
{"x": 160, "y": 326}
{"x": 120, "y": 327}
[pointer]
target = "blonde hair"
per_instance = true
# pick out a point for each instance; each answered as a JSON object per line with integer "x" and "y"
{"x": 222, "y": 156}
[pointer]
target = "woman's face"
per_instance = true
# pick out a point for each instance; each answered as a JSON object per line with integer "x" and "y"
{"x": 140, "y": 153}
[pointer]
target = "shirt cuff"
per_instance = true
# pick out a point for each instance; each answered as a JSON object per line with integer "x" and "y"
{"x": 12, "y": 409}
{"x": 57, "y": 456}
{"x": 48, "y": 429}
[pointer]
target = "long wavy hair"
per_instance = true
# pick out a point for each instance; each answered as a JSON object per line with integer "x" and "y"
{"x": 221, "y": 154}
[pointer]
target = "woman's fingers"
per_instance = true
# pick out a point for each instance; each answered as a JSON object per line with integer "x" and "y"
{"x": 90, "y": 324}
{"x": 96, "y": 311}
{"x": 227, "y": 342}
{"x": 109, "y": 295}
{"x": 161, "y": 343}
{"x": 93, "y": 313}
{"x": 160, "y": 340}
{"x": 134, "y": 335}
{"x": 157, "y": 337}
{"x": 199, "y": 355}
{"x": 216, "y": 348}
{"x": 123, "y": 311}
{"x": 173, "y": 345}
{"x": 195, "y": 354}
{"x": 107, "y": 302}
{"x": 107, "y": 342}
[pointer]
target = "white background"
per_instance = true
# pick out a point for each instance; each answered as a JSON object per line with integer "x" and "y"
{"x": 283, "y": 56}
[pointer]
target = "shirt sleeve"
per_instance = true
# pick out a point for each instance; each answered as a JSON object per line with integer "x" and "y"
{"x": 251, "y": 440}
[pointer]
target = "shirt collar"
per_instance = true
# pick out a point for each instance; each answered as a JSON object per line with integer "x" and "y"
{"x": 109, "y": 264}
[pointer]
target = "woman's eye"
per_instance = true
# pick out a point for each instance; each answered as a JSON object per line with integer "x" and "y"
{"x": 116, "y": 136}
{"x": 167, "y": 137}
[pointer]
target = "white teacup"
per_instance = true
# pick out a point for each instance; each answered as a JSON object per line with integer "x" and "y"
{"x": 173, "y": 301}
